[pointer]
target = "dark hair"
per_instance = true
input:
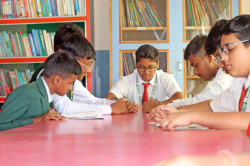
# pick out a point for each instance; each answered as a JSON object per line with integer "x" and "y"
{"x": 213, "y": 39}
{"x": 240, "y": 25}
{"x": 61, "y": 63}
{"x": 78, "y": 45}
{"x": 63, "y": 31}
{"x": 196, "y": 44}
{"x": 147, "y": 51}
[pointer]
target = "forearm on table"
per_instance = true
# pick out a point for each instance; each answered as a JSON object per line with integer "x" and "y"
{"x": 221, "y": 120}
{"x": 197, "y": 105}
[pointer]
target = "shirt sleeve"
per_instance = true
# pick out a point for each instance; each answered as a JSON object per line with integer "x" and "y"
{"x": 120, "y": 89}
{"x": 64, "y": 105}
{"x": 170, "y": 85}
{"x": 224, "y": 102}
{"x": 15, "y": 106}
{"x": 81, "y": 94}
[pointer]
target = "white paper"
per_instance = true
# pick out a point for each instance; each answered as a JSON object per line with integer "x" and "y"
{"x": 85, "y": 115}
{"x": 190, "y": 127}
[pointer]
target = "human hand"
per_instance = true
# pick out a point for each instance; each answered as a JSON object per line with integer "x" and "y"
{"x": 119, "y": 107}
{"x": 175, "y": 119}
{"x": 130, "y": 106}
{"x": 149, "y": 105}
{"x": 138, "y": 106}
{"x": 50, "y": 115}
{"x": 161, "y": 112}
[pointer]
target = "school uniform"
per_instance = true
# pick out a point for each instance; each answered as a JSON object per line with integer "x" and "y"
{"x": 214, "y": 88}
{"x": 38, "y": 72}
{"x": 82, "y": 100}
{"x": 228, "y": 101}
{"x": 163, "y": 83}
{"x": 25, "y": 103}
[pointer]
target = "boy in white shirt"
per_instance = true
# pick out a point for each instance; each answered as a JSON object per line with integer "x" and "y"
{"x": 206, "y": 67}
{"x": 146, "y": 82}
{"x": 230, "y": 110}
{"x": 80, "y": 99}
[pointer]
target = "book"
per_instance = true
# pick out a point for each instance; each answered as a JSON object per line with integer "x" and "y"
{"x": 77, "y": 7}
{"x": 2, "y": 46}
{"x": 34, "y": 7}
{"x": 43, "y": 42}
{"x": 35, "y": 41}
{"x": 13, "y": 7}
{"x": 65, "y": 10}
{"x": 8, "y": 9}
{"x": 22, "y": 8}
{"x": 48, "y": 47}
{"x": 49, "y": 8}
{"x": 39, "y": 43}
{"x": 20, "y": 39}
{"x": 7, "y": 44}
{"x": 26, "y": 8}
{"x": 31, "y": 8}
{"x": 53, "y": 8}
{"x": 4, "y": 9}
{"x": 69, "y": 7}
{"x": 72, "y": 5}
{"x": 27, "y": 45}
{"x": 12, "y": 43}
{"x": 32, "y": 44}
{"x": 1, "y": 10}
{"x": 38, "y": 8}
{"x": 59, "y": 4}
{"x": 18, "y": 49}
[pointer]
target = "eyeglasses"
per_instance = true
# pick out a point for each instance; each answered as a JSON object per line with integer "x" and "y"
{"x": 143, "y": 69}
{"x": 217, "y": 59}
{"x": 89, "y": 66}
{"x": 225, "y": 48}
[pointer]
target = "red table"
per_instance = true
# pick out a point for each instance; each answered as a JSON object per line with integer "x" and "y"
{"x": 116, "y": 140}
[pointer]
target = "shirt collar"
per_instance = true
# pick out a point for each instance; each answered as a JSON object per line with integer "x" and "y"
{"x": 140, "y": 81}
{"x": 247, "y": 83}
{"x": 219, "y": 72}
{"x": 47, "y": 90}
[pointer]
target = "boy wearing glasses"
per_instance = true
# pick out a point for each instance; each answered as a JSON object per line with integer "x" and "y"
{"x": 206, "y": 67}
{"x": 80, "y": 99}
{"x": 146, "y": 82}
{"x": 230, "y": 110}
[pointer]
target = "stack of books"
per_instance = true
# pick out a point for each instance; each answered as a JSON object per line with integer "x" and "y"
{"x": 37, "y": 43}
{"x": 41, "y": 8}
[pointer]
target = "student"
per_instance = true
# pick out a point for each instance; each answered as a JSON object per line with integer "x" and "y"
{"x": 80, "y": 99}
{"x": 206, "y": 68}
{"x": 224, "y": 157}
{"x": 230, "y": 110}
{"x": 62, "y": 32}
{"x": 146, "y": 82}
{"x": 30, "y": 103}
{"x": 212, "y": 44}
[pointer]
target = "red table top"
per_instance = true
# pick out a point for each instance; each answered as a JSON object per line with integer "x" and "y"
{"x": 116, "y": 140}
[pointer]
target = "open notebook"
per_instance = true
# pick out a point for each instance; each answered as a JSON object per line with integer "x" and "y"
{"x": 85, "y": 115}
{"x": 190, "y": 127}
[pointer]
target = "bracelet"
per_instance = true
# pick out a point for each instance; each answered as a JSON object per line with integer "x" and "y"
{"x": 114, "y": 99}
{"x": 229, "y": 154}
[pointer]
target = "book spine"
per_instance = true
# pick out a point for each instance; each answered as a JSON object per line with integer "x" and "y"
{"x": 204, "y": 10}
{"x": 48, "y": 47}
{"x": 32, "y": 44}
{"x": 65, "y": 10}
{"x": 2, "y": 46}
{"x": 3, "y": 81}
{"x": 49, "y": 41}
{"x": 49, "y": 8}
{"x": 14, "y": 11}
{"x": 38, "y": 8}
{"x": 72, "y": 7}
{"x": 24, "y": 48}
{"x": 69, "y": 8}
{"x": 26, "y": 8}
{"x": 59, "y": 7}
{"x": 8, "y": 9}
{"x": 34, "y": 7}
{"x": 4, "y": 9}
{"x": 16, "y": 78}
{"x": 32, "y": 12}
{"x": 27, "y": 45}
{"x": 39, "y": 43}
{"x": 20, "y": 44}
{"x": 1, "y": 10}
{"x": 43, "y": 42}
{"x": 53, "y": 8}
{"x": 44, "y": 7}
{"x": 18, "y": 51}
{"x": 7, "y": 44}
{"x": 22, "y": 8}
{"x": 17, "y": 8}
{"x": 77, "y": 7}
{"x": 35, "y": 41}
{"x": 12, "y": 43}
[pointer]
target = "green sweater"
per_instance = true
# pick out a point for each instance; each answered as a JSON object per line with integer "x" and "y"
{"x": 23, "y": 104}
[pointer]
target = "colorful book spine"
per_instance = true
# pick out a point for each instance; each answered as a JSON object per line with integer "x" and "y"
{"x": 49, "y": 8}
{"x": 23, "y": 44}
{"x": 27, "y": 45}
{"x": 2, "y": 46}
{"x": 49, "y": 42}
{"x": 72, "y": 4}
{"x": 43, "y": 42}
{"x": 48, "y": 47}
{"x": 32, "y": 12}
{"x": 19, "y": 40}
{"x": 39, "y": 43}
{"x": 32, "y": 44}
{"x": 16, "y": 77}
{"x": 22, "y": 9}
{"x": 3, "y": 81}
{"x": 13, "y": 7}
{"x": 26, "y": 8}
{"x": 8, "y": 9}
{"x": 35, "y": 41}
{"x": 12, "y": 43}
{"x": 53, "y": 8}
{"x": 4, "y": 9}
{"x": 65, "y": 10}
{"x": 17, "y": 48}
{"x": 77, "y": 7}
{"x": 44, "y": 7}
{"x": 7, "y": 44}
{"x": 17, "y": 9}
{"x": 59, "y": 8}
{"x": 1, "y": 10}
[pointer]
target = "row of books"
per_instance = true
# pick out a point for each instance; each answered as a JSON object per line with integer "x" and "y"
{"x": 128, "y": 63}
{"x": 36, "y": 43}
{"x": 136, "y": 13}
{"x": 10, "y": 80}
{"x": 205, "y": 12}
{"x": 41, "y": 8}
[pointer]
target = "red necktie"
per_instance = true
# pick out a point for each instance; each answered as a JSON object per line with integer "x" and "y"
{"x": 242, "y": 96}
{"x": 145, "y": 93}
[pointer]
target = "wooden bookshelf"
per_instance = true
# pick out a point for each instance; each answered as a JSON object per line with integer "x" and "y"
{"x": 41, "y": 23}
{"x": 200, "y": 22}
{"x": 164, "y": 60}
{"x": 142, "y": 31}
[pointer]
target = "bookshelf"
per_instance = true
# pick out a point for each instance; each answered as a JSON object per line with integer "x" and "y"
{"x": 50, "y": 24}
{"x": 128, "y": 64}
{"x": 200, "y": 15}
{"x": 144, "y": 21}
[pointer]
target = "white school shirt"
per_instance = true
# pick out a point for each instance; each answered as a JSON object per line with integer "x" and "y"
{"x": 228, "y": 101}
{"x": 47, "y": 90}
{"x": 214, "y": 88}
{"x": 126, "y": 87}
{"x": 83, "y": 100}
